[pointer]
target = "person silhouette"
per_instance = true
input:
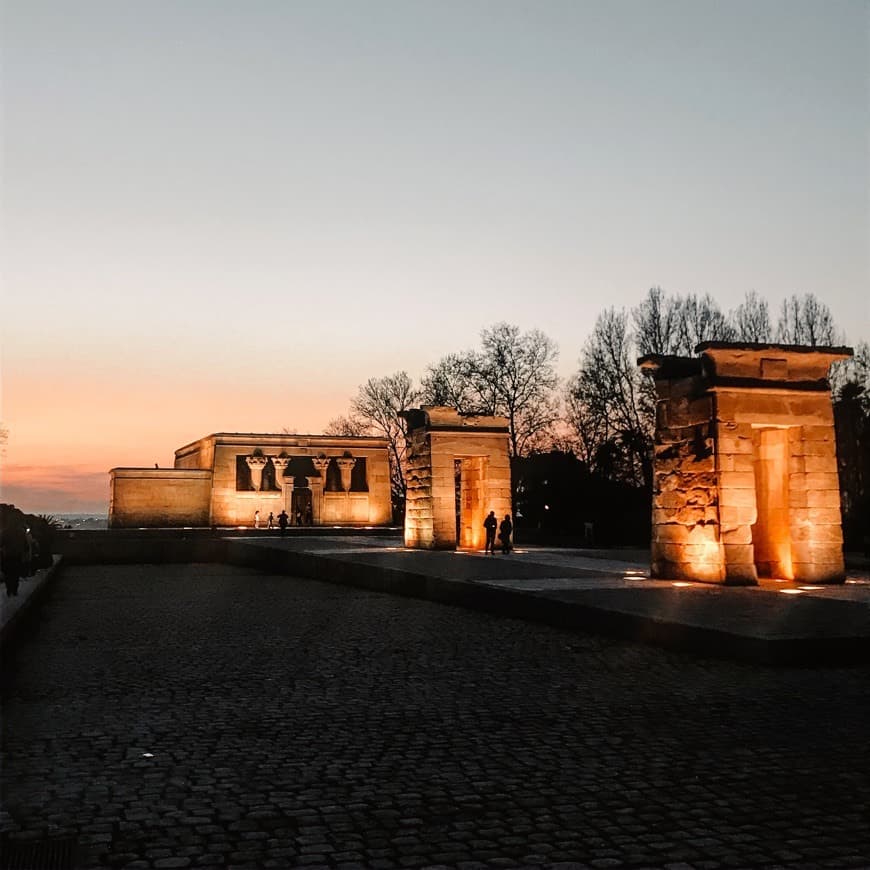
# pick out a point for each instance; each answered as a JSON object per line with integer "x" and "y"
{"x": 490, "y": 524}
{"x": 270, "y": 523}
{"x": 505, "y": 530}
{"x": 282, "y": 521}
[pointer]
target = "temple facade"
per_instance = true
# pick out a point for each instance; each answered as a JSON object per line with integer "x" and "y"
{"x": 228, "y": 479}
{"x": 745, "y": 472}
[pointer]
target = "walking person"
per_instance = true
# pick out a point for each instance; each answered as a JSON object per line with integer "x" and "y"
{"x": 490, "y": 524}
{"x": 505, "y": 530}
{"x": 256, "y": 519}
{"x": 282, "y": 521}
{"x": 270, "y": 523}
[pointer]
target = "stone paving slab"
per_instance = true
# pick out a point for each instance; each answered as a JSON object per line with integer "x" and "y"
{"x": 212, "y": 716}
{"x": 762, "y": 624}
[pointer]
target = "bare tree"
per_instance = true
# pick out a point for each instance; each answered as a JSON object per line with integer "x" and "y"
{"x": 806, "y": 320}
{"x": 513, "y": 374}
{"x": 701, "y": 320}
{"x": 453, "y": 381}
{"x": 520, "y": 371}
{"x": 666, "y": 324}
{"x": 346, "y": 426}
{"x": 612, "y": 402}
{"x": 657, "y": 323}
{"x": 750, "y": 320}
{"x": 379, "y": 404}
{"x": 587, "y": 429}
{"x": 851, "y": 377}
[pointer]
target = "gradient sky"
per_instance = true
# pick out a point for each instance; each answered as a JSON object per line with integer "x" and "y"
{"x": 224, "y": 216}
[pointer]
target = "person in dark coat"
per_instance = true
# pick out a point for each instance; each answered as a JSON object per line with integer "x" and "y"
{"x": 13, "y": 552}
{"x": 490, "y": 524}
{"x": 282, "y": 521}
{"x": 505, "y": 530}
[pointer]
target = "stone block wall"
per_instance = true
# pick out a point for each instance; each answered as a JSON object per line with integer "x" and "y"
{"x": 686, "y": 542}
{"x": 159, "y": 497}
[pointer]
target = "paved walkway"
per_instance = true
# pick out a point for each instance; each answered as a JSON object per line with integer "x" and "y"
{"x": 773, "y": 622}
{"x": 212, "y": 716}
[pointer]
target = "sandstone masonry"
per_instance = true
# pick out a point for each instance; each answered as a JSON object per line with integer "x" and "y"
{"x": 745, "y": 472}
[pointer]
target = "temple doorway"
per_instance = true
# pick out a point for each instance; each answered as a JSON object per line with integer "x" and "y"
{"x": 300, "y": 512}
{"x": 469, "y": 491}
{"x": 771, "y": 533}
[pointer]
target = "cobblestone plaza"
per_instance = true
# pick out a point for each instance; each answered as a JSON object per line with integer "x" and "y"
{"x": 208, "y": 716}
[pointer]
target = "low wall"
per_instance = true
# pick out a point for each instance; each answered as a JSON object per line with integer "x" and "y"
{"x": 159, "y": 497}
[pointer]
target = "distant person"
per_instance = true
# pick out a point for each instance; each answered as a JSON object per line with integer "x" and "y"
{"x": 13, "y": 547}
{"x": 298, "y": 516}
{"x": 270, "y": 523}
{"x": 283, "y": 519}
{"x": 27, "y": 568}
{"x": 156, "y": 465}
{"x": 308, "y": 517}
{"x": 505, "y": 530}
{"x": 490, "y": 524}
{"x": 256, "y": 519}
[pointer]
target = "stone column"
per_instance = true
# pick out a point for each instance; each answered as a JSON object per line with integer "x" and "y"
{"x": 345, "y": 466}
{"x": 256, "y": 464}
{"x": 285, "y": 484}
{"x": 321, "y": 463}
{"x": 316, "y": 484}
{"x": 280, "y": 463}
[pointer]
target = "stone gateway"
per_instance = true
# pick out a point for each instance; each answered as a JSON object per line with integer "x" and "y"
{"x": 226, "y": 478}
{"x": 745, "y": 472}
{"x": 458, "y": 471}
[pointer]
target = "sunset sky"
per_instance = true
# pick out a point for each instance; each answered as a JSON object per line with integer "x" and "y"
{"x": 225, "y": 216}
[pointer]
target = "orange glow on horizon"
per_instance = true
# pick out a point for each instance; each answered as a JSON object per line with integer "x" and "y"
{"x": 67, "y": 430}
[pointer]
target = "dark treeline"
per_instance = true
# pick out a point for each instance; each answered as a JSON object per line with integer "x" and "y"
{"x": 582, "y": 449}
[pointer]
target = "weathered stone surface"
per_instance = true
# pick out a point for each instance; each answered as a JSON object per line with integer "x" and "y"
{"x": 741, "y": 534}
{"x": 819, "y": 572}
{"x": 770, "y": 475}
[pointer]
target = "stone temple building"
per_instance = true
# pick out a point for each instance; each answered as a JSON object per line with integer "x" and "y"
{"x": 745, "y": 472}
{"x": 225, "y": 478}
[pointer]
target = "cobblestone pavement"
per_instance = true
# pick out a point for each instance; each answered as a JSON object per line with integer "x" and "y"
{"x": 205, "y": 716}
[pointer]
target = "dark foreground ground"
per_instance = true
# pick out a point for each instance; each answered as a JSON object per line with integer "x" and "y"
{"x": 202, "y": 715}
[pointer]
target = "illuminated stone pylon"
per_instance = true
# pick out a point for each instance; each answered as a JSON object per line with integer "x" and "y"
{"x": 745, "y": 472}
{"x": 458, "y": 471}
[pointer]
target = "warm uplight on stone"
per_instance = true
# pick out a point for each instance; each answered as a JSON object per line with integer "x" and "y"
{"x": 223, "y": 479}
{"x": 458, "y": 471}
{"x": 746, "y": 478}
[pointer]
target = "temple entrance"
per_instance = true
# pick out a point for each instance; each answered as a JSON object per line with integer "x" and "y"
{"x": 771, "y": 533}
{"x": 300, "y": 511}
{"x": 469, "y": 490}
